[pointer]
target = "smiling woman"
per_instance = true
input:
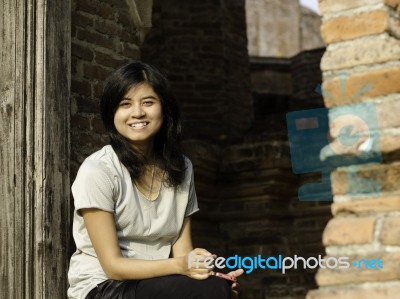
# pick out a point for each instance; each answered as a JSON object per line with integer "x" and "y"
{"x": 139, "y": 117}
{"x": 134, "y": 198}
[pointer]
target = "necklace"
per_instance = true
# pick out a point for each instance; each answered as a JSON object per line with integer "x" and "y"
{"x": 144, "y": 187}
{"x": 152, "y": 181}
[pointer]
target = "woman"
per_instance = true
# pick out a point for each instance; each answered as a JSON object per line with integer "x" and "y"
{"x": 134, "y": 198}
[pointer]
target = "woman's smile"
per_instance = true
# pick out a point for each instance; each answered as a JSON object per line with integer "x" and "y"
{"x": 139, "y": 116}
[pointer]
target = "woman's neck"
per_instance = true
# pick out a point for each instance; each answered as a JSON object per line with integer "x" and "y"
{"x": 146, "y": 150}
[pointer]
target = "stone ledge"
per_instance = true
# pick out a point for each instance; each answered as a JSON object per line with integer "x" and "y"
{"x": 381, "y": 81}
{"x": 366, "y": 51}
{"x": 385, "y": 203}
{"x": 351, "y": 27}
{"x": 349, "y": 230}
{"x": 386, "y": 175}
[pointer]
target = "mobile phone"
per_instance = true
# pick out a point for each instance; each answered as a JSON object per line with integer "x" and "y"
{"x": 230, "y": 278}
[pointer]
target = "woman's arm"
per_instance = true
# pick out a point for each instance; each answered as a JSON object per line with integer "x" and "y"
{"x": 184, "y": 244}
{"x": 102, "y": 232}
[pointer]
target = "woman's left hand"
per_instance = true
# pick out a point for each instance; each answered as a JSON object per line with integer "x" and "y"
{"x": 235, "y": 285}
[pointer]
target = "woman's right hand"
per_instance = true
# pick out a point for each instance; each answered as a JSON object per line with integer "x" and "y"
{"x": 198, "y": 264}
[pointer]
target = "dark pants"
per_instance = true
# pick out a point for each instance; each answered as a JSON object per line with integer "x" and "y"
{"x": 166, "y": 287}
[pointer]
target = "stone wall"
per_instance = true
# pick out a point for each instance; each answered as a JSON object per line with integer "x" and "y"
{"x": 277, "y": 28}
{"x": 361, "y": 66}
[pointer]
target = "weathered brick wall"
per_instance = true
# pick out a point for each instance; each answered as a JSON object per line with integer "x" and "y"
{"x": 103, "y": 38}
{"x": 363, "y": 42}
{"x": 258, "y": 190}
{"x": 202, "y": 47}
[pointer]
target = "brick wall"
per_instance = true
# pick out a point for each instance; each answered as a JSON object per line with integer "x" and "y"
{"x": 103, "y": 38}
{"x": 363, "y": 43}
{"x": 202, "y": 48}
{"x": 258, "y": 191}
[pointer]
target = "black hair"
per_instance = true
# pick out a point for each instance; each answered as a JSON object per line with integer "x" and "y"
{"x": 167, "y": 141}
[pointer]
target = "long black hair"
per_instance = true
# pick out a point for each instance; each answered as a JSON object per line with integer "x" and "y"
{"x": 167, "y": 141}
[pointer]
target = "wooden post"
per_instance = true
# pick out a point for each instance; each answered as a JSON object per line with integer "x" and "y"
{"x": 34, "y": 148}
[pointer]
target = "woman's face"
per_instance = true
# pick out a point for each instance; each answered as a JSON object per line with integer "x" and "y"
{"x": 139, "y": 116}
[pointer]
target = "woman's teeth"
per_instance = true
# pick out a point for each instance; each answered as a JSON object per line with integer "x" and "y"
{"x": 139, "y": 125}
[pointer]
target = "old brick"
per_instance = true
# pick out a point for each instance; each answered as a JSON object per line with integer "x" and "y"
{"x": 380, "y": 82}
{"x": 79, "y": 121}
{"x": 350, "y": 27}
{"x": 386, "y": 111}
{"x": 358, "y": 179}
{"x": 130, "y": 50}
{"x": 358, "y": 292}
{"x": 348, "y": 231}
{"x": 109, "y": 60}
{"x": 82, "y": 20}
{"x": 82, "y": 88}
{"x": 375, "y": 204}
{"x": 98, "y": 89}
{"x": 361, "y": 270}
{"x": 88, "y": 6}
{"x": 95, "y": 38}
{"x": 107, "y": 12}
{"x": 107, "y": 27}
{"x": 330, "y": 6}
{"x": 389, "y": 143}
{"x": 376, "y": 49}
{"x": 125, "y": 18}
{"x": 91, "y": 140}
{"x": 390, "y": 231}
{"x": 97, "y": 126}
{"x": 87, "y": 105}
{"x": 82, "y": 52}
{"x": 95, "y": 72}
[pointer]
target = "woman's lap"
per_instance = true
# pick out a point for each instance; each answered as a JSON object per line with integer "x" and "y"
{"x": 166, "y": 287}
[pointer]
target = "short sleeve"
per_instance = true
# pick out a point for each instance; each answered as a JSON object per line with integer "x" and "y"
{"x": 192, "y": 206}
{"x": 94, "y": 187}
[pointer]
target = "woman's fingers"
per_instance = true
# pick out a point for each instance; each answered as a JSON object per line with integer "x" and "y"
{"x": 200, "y": 263}
{"x": 199, "y": 273}
{"x": 236, "y": 273}
{"x": 201, "y": 259}
{"x": 235, "y": 285}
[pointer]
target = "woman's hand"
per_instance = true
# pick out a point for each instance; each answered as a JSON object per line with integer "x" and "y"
{"x": 198, "y": 264}
{"x": 235, "y": 285}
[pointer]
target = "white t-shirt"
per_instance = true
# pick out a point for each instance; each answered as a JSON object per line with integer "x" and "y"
{"x": 146, "y": 229}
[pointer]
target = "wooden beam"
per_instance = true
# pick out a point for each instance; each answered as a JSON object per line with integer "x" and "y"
{"x": 34, "y": 152}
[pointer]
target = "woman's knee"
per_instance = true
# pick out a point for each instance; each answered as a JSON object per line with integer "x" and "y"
{"x": 216, "y": 288}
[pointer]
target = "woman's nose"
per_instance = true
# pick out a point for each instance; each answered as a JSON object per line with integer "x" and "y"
{"x": 137, "y": 111}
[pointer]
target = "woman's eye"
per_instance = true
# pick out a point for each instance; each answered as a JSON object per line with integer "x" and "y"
{"x": 148, "y": 103}
{"x": 124, "y": 104}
